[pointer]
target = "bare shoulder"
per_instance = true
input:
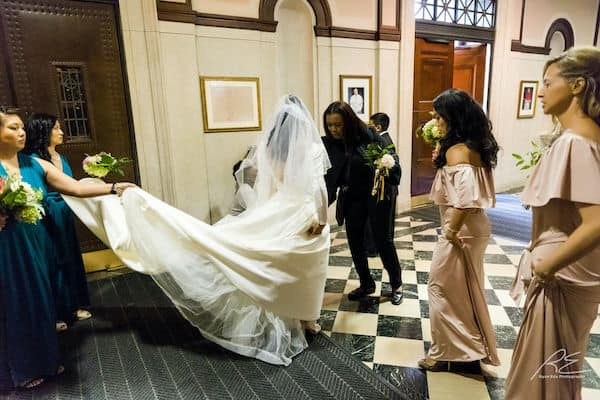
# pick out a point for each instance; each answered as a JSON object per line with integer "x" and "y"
{"x": 44, "y": 164}
{"x": 458, "y": 154}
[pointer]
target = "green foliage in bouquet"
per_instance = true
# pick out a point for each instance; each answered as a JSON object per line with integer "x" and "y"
{"x": 375, "y": 152}
{"x": 20, "y": 201}
{"x": 430, "y": 132}
{"x": 101, "y": 164}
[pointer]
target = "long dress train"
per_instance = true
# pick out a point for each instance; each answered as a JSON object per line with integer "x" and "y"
{"x": 245, "y": 282}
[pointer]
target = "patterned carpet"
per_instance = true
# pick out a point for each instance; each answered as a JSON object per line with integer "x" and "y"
{"x": 138, "y": 346}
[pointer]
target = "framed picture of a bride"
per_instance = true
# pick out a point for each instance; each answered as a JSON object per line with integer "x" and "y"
{"x": 230, "y": 104}
{"x": 356, "y": 90}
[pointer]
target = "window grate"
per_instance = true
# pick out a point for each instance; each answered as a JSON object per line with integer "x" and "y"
{"x": 73, "y": 101}
{"x": 480, "y": 13}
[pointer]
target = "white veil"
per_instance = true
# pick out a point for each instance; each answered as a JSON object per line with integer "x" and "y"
{"x": 290, "y": 156}
{"x": 244, "y": 283}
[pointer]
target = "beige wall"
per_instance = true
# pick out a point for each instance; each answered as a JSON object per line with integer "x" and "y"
{"x": 192, "y": 169}
{"x": 509, "y": 68}
{"x": 240, "y": 8}
{"x": 539, "y": 15}
{"x": 359, "y": 14}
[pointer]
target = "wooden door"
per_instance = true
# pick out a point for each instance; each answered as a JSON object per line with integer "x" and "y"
{"x": 433, "y": 75}
{"x": 469, "y": 70}
{"x": 64, "y": 58}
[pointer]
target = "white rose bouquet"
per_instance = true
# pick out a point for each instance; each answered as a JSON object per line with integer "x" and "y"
{"x": 382, "y": 160}
{"x": 101, "y": 164}
{"x": 19, "y": 200}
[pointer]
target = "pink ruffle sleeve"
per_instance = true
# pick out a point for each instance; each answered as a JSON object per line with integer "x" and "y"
{"x": 463, "y": 186}
{"x": 570, "y": 170}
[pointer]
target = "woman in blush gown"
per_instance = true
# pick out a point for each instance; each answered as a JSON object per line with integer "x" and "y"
{"x": 461, "y": 328}
{"x": 564, "y": 292}
{"x": 249, "y": 281}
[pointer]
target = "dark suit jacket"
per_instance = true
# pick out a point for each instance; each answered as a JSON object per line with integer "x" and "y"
{"x": 360, "y": 177}
{"x": 393, "y": 180}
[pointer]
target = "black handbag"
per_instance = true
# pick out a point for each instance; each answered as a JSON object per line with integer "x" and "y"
{"x": 340, "y": 207}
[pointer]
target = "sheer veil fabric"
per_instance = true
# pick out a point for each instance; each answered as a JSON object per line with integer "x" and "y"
{"x": 247, "y": 281}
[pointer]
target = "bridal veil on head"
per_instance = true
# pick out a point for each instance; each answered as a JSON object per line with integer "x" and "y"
{"x": 247, "y": 281}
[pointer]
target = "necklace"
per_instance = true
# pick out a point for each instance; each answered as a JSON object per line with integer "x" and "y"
{"x": 10, "y": 170}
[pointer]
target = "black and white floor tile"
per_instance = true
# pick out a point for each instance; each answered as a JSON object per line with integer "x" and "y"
{"x": 391, "y": 339}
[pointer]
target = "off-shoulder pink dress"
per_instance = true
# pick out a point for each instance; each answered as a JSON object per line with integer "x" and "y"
{"x": 558, "y": 316}
{"x": 461, "y": 328}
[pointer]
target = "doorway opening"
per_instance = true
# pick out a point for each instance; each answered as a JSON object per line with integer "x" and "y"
{"x": 442, "y": 64}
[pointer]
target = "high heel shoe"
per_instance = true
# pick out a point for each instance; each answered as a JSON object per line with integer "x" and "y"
{"x": 434, "y": 366}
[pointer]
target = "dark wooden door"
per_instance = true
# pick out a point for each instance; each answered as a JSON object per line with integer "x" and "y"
{"x": 63, "y": 57}
{"x": 433, "y": 75}
{"x": 469, "y": 70}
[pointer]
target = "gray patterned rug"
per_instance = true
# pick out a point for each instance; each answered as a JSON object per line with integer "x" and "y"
{"x": 137, "y": 346}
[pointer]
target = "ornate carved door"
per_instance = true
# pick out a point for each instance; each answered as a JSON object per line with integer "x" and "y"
{"x": 63, "y": 57}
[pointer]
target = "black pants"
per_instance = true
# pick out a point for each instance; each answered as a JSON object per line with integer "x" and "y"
{"x": 381, "y": 216}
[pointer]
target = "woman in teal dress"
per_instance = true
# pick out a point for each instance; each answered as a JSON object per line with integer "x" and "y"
{"x": 67, "y": 274}
{"x": 28, "y": 343}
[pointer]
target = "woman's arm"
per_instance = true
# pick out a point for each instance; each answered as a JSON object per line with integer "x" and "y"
{"x": 580, "y": 242}
{"x": 67, "y": 185}
{"x": 457, "y": 154}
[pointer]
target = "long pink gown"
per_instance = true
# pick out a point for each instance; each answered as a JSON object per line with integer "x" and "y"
{"x": 461, "y": 328}
{"x": 558, "y": 316}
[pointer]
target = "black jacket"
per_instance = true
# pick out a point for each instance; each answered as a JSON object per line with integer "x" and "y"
{"x": 360, "y": 177}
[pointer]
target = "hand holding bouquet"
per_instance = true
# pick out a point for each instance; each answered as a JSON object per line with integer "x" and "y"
{"x": 101, "y": 164}
{"x": 19, "y": 200}
{"x": 430, "y": 132}
{"x": 382, "y": 160}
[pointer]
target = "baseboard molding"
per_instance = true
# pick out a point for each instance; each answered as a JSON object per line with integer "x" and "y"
{"x": 102, "y": 260}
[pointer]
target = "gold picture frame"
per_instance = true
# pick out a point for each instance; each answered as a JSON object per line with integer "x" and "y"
{"x": 527, "y": 100}
{"x": 230, "y": 104}
{"x": 357, "y": 90}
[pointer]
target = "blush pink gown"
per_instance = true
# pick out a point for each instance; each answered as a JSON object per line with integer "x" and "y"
{"x": 558, "y": 316}
{"x": 461, "y": 328}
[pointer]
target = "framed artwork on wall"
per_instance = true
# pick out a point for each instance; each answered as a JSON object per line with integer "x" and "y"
{"x": 230, "y": 104}
{"x": 527, "y": 99}
{"x": 356, "y": 90}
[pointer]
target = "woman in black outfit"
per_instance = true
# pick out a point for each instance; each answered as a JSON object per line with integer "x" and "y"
{"x": 346, "y": 140}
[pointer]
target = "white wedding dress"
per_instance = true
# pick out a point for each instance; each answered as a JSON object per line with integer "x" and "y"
{"x": 247, "y": 281}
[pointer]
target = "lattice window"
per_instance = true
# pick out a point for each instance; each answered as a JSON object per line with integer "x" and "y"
{"x": 73, "y": 101}
{"x": 480, "y": 13}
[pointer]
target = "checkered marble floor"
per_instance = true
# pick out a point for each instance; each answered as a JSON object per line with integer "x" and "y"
{"x": 391, "y": 339}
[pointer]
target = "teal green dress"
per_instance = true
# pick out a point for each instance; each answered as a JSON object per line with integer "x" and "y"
{"x": 28, "y": 342}
{"x": 69, "y": 284}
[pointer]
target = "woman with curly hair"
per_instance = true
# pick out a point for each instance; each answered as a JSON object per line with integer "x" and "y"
{"x": 461, "y": 329}
{"x": 69, "y": 285}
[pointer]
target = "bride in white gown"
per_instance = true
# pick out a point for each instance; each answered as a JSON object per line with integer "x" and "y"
{"x": 248, "y": 281}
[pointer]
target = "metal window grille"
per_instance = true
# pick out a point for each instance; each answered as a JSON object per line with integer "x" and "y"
{"x": 73, "y": 102}
{"x": 480, "y": 13}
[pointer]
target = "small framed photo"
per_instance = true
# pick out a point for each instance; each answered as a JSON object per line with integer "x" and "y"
{"x": 527, "y": 99}
{"x": 356, "y": 90}
{"x": 230, "y": 104}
